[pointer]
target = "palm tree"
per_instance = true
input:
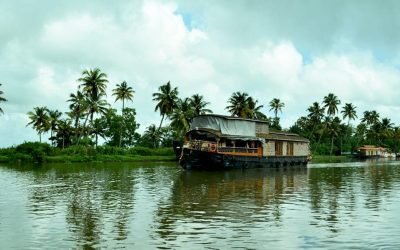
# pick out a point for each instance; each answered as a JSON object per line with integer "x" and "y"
{"x": 166, "y": 100}
{"x": 94, "y": 83}
{"x": 238, "y": 104}
{"x": 349, "y": 112}
{"x": 254, "y": 110}
{"x": 370, "y": 117}
{"x": 276, "y": 105}
{"x": 333, "y": 129}
{"x": 123, "y": 92}
{"x": 64, "y": 130}
{"x": 316, "y": 112}
{"x": 39, "y": 120}
{"x": 198, "y": 105}
{"x": 153, "y": 134}
{"x": 78, "y": 106}
{"x": 2, "y": 99}
{"x": 182, "y": 116}
{"x": 96, "y": 106}
{"x": 98, "y": 130}
{"x": 331, "y": 102}
{"x": 54, "y": 118}
{"x": 387, "y": 127}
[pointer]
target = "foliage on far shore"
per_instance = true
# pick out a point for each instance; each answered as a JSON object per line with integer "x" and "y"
{"x": 36, "y": 152}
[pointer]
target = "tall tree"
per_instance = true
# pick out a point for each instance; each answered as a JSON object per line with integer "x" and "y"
{"x": 64, "y": 130}
{"x": 370, "y": 117}
{"x": 166, "y": 100}
{"x": 54, "y": 119}
{"x": 254, "y": 111}
{"x": 238, "y": 104}
{"x": 181, "y": 116}
{"x": 39, "y": 120}
{"x": 349, "y": 112}
{"x": 78, "y": 106}
{"x": 276, "y": 105}
{"x": 316, "y": 112}
{"x": 331, "y": 102}
{"x": 2, "y": 99}
{"x": 198, "y": 105}
{"x": 94, "y": 84}
{"x": 333, "y": 129}
{"x": 123, "y": 92}
{"x": 152, "y": 134}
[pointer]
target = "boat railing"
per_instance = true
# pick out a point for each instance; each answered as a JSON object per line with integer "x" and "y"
{"x": 238, "y": 150}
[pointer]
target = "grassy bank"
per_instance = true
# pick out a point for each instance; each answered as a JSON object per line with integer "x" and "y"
{"x": 332, "y": 158}
{"x": 34, "y": 152}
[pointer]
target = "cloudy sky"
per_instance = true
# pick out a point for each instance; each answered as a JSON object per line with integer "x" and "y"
{"x": 298, "y": 51}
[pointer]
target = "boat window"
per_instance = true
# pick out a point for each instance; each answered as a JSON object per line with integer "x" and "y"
{"x": 278, "y": 148}
{"x": 289, "y": 148}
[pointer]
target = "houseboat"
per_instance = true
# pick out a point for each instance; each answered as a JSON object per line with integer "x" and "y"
{"x": 216, "y": 141}
{"x": 371, "y": 151}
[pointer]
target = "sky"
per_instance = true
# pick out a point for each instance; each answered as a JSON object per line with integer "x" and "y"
{"x": 297, "y": 51}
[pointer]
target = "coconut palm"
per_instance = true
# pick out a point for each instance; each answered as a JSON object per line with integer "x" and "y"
{"x": 331, "y": 102}
{"x": 238, "y": 104}
{"x": 166, "y": 100}
{"x": 54, "y": 118}
{"x": 349, "y": 112}
{"x": 123, "y": 92}
{"x": 253, "y": 111}
{"x": 2, "y": 99}
{"x": 39, "y": 120}
{"x": 153, "y": 134}
{"x": 182, "y": 116}
{"x": 198, "y": 105}
{"x": 333, "y": 129}
{"x": 370, "y": 117}
{"x": 316, "y": 112}
{"x": 387, "y": 127}
{"x": 64, "y": 130}
{"x": 94, "y": 83}
{"x": 276, "y": 105}
{"x": 78, "y": 106}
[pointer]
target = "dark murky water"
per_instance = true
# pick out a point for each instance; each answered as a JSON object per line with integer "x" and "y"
{"x": 329, "y": 206}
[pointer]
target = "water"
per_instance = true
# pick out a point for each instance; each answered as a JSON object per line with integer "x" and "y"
{"x": 159, "y": 206}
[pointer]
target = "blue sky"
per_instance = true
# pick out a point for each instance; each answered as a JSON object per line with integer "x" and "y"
{"x": 298, "y": 51}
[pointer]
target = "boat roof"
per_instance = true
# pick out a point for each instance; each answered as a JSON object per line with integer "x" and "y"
{"x": 240, "y": 128}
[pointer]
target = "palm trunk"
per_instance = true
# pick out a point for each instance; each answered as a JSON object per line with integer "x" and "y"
{"x": 331, "y": 145}
{"x": 84, "y": 124}
{"x": 162, "y": 118}
{"x": 96, "y": 140}
{"x": 40, "y": 137}
{"x": 122, "y": 123}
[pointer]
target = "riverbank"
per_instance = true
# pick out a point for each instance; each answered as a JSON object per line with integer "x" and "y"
{"x": 34, "y": 152}
{"x": 332, "y": 158}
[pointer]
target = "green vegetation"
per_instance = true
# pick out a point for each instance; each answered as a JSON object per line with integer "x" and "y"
{"x": 74, "y": 134}
{"x": 42, "y": 152}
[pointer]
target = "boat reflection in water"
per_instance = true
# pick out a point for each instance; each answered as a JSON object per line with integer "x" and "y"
{"x": 219, "y": 198}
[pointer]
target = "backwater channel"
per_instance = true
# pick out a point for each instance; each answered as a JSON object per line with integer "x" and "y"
{"x": 352, "y": 205}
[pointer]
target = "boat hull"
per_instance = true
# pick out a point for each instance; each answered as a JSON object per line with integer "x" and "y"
{"x": 195, "y": 159}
